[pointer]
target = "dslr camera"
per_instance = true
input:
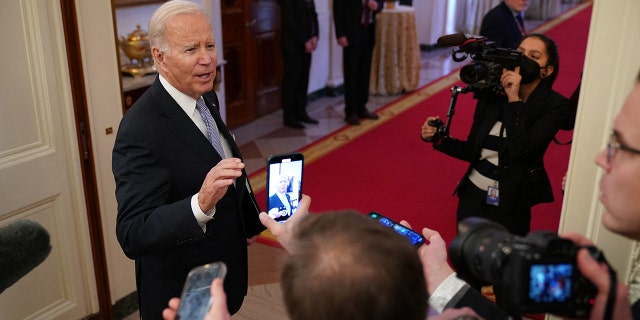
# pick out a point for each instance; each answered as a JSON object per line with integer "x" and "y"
{"x": 532, "y": 274}
{"x": 484, "y": 73}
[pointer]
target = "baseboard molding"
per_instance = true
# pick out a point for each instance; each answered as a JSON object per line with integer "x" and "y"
{"x": 125, "y": 306}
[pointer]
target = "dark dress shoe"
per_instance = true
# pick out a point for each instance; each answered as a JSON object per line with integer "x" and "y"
{"x": 368, "y": 115}
{"x": 293, "y": 124}
{"x": 307, "y": 119}
{"x": 352, "y": 119}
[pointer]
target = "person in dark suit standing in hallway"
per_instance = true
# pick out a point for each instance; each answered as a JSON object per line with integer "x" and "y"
{"x": 299, "y": 40}
{"x": 504, "y": 24}
{"x": 355, "y": 22}
{"x": 182, "y": 191}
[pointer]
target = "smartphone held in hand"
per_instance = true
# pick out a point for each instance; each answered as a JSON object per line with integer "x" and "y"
{"x": 284, "y": 184}
{"x": 196, "y": 293}
{"x": 415, "y": 238}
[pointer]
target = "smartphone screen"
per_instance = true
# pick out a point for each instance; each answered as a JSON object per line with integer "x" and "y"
{"x": 284, "y": 184}
{"x": 196, "y": 293}
{"x": 415, "y": 238}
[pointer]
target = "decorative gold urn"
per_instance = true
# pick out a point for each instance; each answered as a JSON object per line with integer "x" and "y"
{"x": 136, "y": 47}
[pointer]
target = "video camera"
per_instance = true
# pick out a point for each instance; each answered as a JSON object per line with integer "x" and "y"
{"x": 484, "y": 73}
{"x": 532, "y": 274}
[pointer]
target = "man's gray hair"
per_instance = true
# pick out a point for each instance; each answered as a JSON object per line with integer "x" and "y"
{"x": 163, "y": 14}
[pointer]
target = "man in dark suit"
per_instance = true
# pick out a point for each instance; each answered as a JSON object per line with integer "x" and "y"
{"x": 355, "y": 22}
{"x": 299, "y": 38}
{"x": 181, "y": 202}
{"x": 504, "y": 24}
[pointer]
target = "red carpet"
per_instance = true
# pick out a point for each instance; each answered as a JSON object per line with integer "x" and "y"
{"x": 384, "y": 166}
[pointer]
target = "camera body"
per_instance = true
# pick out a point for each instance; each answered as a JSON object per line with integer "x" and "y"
{"x": 532, "y": 274}
{"x": 488, "y": 61}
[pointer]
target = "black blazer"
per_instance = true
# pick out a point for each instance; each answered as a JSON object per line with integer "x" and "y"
{"x": 530, "y": 128}
{"x": 500, "y": 26}
{"x": 160, "y": 159}
{"x": 347, "y": 17}
{"x": 299, "y": 24}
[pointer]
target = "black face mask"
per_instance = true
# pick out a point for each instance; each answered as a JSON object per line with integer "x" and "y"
{"x": 529, "y": 70}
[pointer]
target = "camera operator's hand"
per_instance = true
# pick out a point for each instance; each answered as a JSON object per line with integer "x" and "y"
{"x": 511, "y": 83}
{"x": 428, "y": 131}
{"x": 598, "y": 274}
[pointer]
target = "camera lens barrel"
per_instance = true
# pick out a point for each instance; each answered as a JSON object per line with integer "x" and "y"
{"x": 479, "y": 250}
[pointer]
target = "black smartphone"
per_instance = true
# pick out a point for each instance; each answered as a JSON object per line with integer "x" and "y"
{"x": 196, "y": 293}
{"x": 415, "y": 238}
{"x": 284, "y": 184}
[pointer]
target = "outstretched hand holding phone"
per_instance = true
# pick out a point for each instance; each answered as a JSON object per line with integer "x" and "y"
{"x": 218, "y": 310}
{"x": 284, "y": 231}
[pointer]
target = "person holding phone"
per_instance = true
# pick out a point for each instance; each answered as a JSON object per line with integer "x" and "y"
{"x": 217, "y": 311}
{"x": 507, "y": 141}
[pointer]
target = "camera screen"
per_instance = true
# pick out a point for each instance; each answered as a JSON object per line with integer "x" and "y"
{"x": 550, "y": 283}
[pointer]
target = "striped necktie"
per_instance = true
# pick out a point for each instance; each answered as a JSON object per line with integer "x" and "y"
{"x": 212, "y": 129}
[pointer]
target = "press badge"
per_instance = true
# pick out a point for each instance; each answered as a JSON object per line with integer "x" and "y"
{"x": 493, "y": 195}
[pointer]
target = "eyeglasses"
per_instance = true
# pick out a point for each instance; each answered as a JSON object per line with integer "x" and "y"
{"x": 614, "y": 145}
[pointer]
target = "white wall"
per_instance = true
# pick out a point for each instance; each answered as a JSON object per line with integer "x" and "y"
{"x": 319, "y": 72}
{"x": 432, "y": 23}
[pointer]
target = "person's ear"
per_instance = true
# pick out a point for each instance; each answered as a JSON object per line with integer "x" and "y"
{"x": 546, "y": 71}
{"x": 158, "y": 55}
